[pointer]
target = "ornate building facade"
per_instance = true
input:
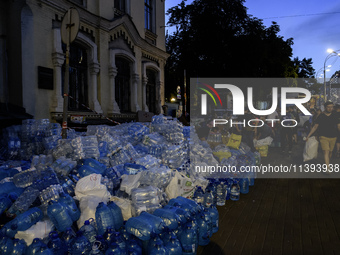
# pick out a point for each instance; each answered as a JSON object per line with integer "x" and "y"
{"x": 116, "y": 61}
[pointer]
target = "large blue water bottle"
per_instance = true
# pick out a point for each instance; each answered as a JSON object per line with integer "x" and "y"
{"x": 68, "y": 236}
{"x": 204, "y": 229}
{"x": 189, "y": 240}
{"x": 133, "y": 247}
{"x": 118, "y": 239}
{"x": 89, "y": 231}
{"x": 155, "y": 221}
{"x": 244, "y": 186}
{"x": 104, "y": 218}
{"x": 80, "y": 245}
{"x": 103, "y": 246}
{"x": 114, "y": 249}
{"x": 139, "y": 227}
{"x": 96, "y": 249}
{"x": 57, "y": 245}
{"x": 169, "y": 217}
{"x": 173, "y": 246}
{"x": 6, "y": 245}
{"x": 152, "y": 242}
{"x": 44, "y": 250}
{"x": 5, "y": 203}
{"x": 19, "y": 247}
{"x": 35, "y": 247}
{"x": 95, "y": 164}
{"x": 71, "y": 206}
{"x": 158, "y": 249}
{"x": 199, "y": 195}
{"x": 214, "y": 218}
{"x": 58, "y": 214}
{"x": 22, "y": 222}
{"x": 116, "y": 214}
{"x": 208, "y": 199}
{"x": 86, "y": 170}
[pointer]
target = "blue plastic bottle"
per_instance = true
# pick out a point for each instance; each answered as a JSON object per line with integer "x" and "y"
{"x": 212, "y": 187}
{"x": 89, "y": 231}
{"x": 57, "y": 245}
{"x": 208, "y": 199}
{"x": 58, "y": 214}
{"x": 95, "y": 164}
{"x": 68, "y": 236}
{"x": 103, "y": 246}
{"x": 173, "y": 246}
{"x": 6, "y": 245}
{"x": 5, "y": 203}
{"x": 85, "y": 170}
{"x": 71, "y": 206}
{"x": 189, "y": 240}
{"x": 139, "y": 227}
{"x": 24, "y": 221}
{"x": 199, "y": 195}
{"x": 116, "y": 214}
{"x": 96, "y": 249}
{"x": 118, "y": 239}
{"x": 19, "y": 247}
{"x": 204, "y": 229}
{"x": 152, "y": 242}
{"x": 44, "y": 250}
{"x": 133, "y": 247}
{"x": 114, "y": 249}
{"x": 235, "y": 191}
{"x": 244, "y": 186}
{"x": 155, "y": 221}
{"x": 221, "y": 190}
{"x": 214, "y": 218}
{"x": 170, "y": 218}
{"x": 104, "y": 218}
{"x": 35, "y": 247}
{"x": 80, "y": 245}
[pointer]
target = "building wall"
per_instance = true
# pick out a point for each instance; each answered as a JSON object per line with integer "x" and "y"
{"x": 105, "y": 36}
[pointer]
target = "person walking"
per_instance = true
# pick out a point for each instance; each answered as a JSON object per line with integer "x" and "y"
{"x": 328, "y": 126}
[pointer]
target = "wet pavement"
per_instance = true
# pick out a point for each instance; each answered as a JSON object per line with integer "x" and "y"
{"x": 282, "y": 216}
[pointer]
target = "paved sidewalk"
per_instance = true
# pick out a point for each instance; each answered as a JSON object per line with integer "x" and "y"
{"x": 281, "y": 216}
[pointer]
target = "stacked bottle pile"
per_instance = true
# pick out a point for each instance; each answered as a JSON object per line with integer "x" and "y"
{"x": 39, "y": 174}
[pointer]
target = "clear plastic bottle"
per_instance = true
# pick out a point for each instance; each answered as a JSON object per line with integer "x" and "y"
{"x": 24, "y": 201}
{"x": 235, "y": 191}
{"x": 221, "y": 190}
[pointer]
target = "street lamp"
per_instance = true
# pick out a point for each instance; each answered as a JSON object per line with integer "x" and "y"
{"x": 331, "y": 54}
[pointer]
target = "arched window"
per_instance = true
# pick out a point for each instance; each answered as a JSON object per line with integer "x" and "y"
{"x": 151, "y": 90}
{"x": 78, "y": 78}
{"x": 122, "y": 84}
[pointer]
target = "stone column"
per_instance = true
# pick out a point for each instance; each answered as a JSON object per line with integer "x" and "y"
{"x": 144, "y": 82}
{"x": 113, "y": 108}
{"x": 159, "y": 97}
{"x": 58, "y": 100}
{"x": 93, "y": 94}
{"x": 134, "y": 91}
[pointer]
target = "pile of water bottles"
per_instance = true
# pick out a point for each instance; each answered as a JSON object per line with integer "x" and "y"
{"x": 42, "y": 180}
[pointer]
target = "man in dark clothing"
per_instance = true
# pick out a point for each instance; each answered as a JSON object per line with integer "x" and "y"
{"x": 328, "y": 126}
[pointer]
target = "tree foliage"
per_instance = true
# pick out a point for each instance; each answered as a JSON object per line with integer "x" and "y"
{"x": 218, "y": 38}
